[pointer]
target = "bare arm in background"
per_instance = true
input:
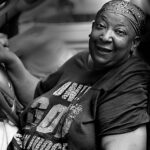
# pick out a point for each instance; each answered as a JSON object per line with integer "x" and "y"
{"x": 135, "y": 140}
{"x": 24, "y": 83}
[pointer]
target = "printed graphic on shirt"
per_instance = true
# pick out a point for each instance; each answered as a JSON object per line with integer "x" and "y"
{"x": 38, "y": 143}
{"x": 52, "y": 125}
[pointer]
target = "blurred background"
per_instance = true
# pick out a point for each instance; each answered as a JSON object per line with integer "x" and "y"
{"x": 46, "y": 33}
{"x": 52, "y": 32}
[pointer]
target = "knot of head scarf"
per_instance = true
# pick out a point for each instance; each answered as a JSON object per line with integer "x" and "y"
{"x": 132, "y": 12}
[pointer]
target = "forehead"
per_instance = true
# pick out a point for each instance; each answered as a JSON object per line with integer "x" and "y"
{"x": 113, "y": 18}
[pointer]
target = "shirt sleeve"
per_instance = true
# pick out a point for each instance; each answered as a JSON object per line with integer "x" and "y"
{"x": 124, "y": 107}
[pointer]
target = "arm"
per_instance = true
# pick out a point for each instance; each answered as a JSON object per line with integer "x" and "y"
{"x": 24, "y": 83}
{"x": 123, "y": 115}
{"x": 135, "y": 140}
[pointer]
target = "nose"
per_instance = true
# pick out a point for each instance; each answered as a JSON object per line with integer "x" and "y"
{"x": 107, "y": 35}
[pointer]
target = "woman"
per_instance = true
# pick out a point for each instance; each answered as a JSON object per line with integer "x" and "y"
{"x": 96, "y": 100}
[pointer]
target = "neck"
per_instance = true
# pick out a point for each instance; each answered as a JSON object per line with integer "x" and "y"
{"x": 102, "y": 67}
{"x": 92, "y": 66}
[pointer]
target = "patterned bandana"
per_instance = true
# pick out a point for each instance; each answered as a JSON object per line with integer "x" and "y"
{"x": 134, "y": 14}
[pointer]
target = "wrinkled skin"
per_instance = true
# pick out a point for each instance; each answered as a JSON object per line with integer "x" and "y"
{"x": 112, "y": 40}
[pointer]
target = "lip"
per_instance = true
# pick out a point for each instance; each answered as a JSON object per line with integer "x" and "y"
{"x": 103, "y": 50}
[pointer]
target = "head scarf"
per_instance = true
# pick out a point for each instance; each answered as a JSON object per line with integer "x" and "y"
{"x": 132, "y": 12}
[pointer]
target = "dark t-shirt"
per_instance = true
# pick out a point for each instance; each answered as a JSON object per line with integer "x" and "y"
{"x": 76, "y": 106}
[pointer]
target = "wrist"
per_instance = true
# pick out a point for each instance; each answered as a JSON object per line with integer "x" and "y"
{"x": 12, "y": 61}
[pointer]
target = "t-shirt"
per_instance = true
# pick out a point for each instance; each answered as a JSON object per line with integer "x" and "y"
{"x": 76, "y": 106}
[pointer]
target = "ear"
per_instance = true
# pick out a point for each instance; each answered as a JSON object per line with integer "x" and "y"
{"x": 135, "y": 44}
{"x": 93, "y": 23}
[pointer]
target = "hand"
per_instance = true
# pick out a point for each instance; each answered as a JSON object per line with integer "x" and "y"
{"x": 3, "y": 40}
{"x": 6, "y": 55}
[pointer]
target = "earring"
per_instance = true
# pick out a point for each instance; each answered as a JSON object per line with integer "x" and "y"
{"x": 132, "y": 51}
{"x": 89, "y": 35}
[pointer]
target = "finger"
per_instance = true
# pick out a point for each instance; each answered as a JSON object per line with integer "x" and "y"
{"x": 3, "y": 40}
{"x": 3, "y": 48}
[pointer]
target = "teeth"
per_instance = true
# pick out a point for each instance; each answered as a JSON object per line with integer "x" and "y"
{"x": 103, "y": 50}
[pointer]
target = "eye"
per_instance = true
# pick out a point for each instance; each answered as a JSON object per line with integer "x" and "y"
{"x": 100, "y": 26}
{"x": 120, "y": 32}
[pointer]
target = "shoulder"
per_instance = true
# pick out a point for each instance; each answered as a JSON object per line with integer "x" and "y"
{"x": 135, "y": 65}
{"x": 137, "y": 62}
{"x": 80, "y": 56}
{"x": 135, "y": 70}
{"x": 77, "y": 60}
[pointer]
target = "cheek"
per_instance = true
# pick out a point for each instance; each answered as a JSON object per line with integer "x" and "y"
{"x": 96, "y": 33}
{"x": 122, "y": 44}
{"x": 91, "y": 42}
{"x": 122, "y": 50}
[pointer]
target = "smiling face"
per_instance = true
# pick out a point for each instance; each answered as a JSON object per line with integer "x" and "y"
{"x": 111, "y": 40}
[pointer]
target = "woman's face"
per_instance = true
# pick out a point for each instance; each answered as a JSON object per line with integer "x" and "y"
{"x": 111, "y": 40}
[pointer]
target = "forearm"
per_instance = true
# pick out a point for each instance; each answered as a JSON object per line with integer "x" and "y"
{"x": 135, "y": 140}
{"x": 24, "y": 83}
